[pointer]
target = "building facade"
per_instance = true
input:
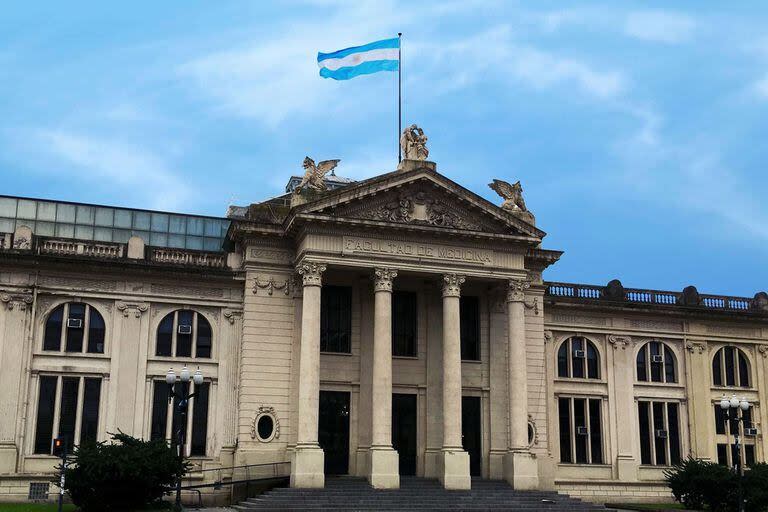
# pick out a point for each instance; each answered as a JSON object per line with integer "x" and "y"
{"x": 398, "y": 325}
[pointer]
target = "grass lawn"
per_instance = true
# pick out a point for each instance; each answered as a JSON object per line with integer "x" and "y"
{"x": 34, "y": 507}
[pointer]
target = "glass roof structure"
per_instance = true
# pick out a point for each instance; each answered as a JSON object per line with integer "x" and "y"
{"x": 110, "y": 224}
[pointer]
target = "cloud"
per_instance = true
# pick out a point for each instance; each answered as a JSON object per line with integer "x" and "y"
{"x": 760, "y": 87}
{"x": 99, "y": 160}
{"x": 659, "y": 26}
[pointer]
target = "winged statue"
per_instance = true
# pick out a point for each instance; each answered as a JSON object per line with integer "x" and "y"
{"x": 314, "y": 174}
{"x": 512, "y": 195}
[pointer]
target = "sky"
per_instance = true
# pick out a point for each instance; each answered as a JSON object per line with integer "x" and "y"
{"x": 638, "y": 129}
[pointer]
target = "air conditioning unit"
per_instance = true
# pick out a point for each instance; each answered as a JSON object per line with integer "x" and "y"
{"x": 750, "y": 431}
{"x": 661, "y": 434}
{"x": 185, "y": 329}
{"x": 75, "y": 323}
{"x": 579, "y": 354}
{"x": 582, "y": 431}
{"x": 657, "y": 359}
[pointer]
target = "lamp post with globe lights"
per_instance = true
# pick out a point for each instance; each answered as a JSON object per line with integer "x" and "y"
{"x": 183, "y": 396}
{"x": 734, "y": 410}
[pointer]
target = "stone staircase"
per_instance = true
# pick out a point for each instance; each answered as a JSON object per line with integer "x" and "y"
{"x": 349, "y": 493}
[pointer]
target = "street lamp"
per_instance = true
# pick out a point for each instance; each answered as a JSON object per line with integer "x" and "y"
{"x": 734, "y": 409}
{"x": 183, "y": 397}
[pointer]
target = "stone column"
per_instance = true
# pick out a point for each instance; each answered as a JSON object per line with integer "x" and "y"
{"x": 454, "y": 473}
{"x": 383, "y": 468}
{"x": 15, "y": 313}
{"x": 520, "y": 468}
{"x": 308, "y": 458}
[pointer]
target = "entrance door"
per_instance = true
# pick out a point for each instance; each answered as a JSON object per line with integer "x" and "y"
{"x": 471, "y": 432}
{"x": 404, "y": 431}
{"x": 333, "y": 431}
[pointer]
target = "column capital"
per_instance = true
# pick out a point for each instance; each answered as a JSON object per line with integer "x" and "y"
{"x": 452, "y": 285}
{"x": 16, "y": 299}
{"x": 516, "y": 289}
{"x": 382, "y": 279}
{"x": 311, "y": 273}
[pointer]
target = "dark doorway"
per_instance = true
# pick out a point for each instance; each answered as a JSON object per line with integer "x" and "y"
{"x": 333, "y": 431}
{"x": 471, "y": 432}
{"x": 404, "y": 431}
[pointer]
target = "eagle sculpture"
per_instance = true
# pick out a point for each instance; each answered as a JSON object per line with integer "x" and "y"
{"x": 314, "y": 175}
{"x": 512, "y": 195}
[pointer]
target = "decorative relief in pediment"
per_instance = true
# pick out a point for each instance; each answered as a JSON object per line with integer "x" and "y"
{"x": 417, "y": 206}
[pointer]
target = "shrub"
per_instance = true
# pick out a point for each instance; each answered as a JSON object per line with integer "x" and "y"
{"x": 756, "y": 488}
{"x": 696, "y": 483}
{"x": 125, "y": 474}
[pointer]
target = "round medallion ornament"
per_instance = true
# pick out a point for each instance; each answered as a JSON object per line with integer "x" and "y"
{"x": 265, "y": 426}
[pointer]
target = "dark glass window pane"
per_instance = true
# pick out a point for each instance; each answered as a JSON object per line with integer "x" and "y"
{"x": 96, "y": 331}
{"x": 165, "y": 336}
{"x": 658, "y": 424}
{"x": 336, "y": 319}
{"x": 593, "y": 371}
{"x": 747, "y": 417}
{"x": 719, "y": 420}
{"x": 159, "y": 410}
{"x": 177, "y": 424}
{"x": 669, "y": 366}
{"x": 730, "y": 366}
{"x": 722, "y": 454}
{"x": 743, "y": 370}
{"x": 645, "y": 433}
{"x": 75, "y": 334}
{"x": 642, "y": 374}
{"x": 656, "y": 366}
{"x": 68, "y": 414}
{"x": 717, "y": 373}
{"x": 90, "y": 421}
{"x": 580, "y": 420}
{"x": 749, "y": 454}
{"x": 595, "y": 432}
{"x": 469, "y": 310}
{"x": 184, "y": 334}
{"x": 562, "y": 360}
{"x": 203, "y": 348}
{"x": 52, "y": 339}
{"x": 46, "y": 404}
{"x": 404, "y": 324}
{"x": 199, "y": 420}
{"x": 577, "y": 352}
{"x": 673, "y": 425}
{"x": 565, "y": 430}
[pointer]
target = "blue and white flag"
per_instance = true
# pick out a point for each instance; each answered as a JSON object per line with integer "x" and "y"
{"x": 360, "y": 60}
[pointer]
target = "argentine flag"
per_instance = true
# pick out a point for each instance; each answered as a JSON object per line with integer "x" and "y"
{"x": 360, "y": 60}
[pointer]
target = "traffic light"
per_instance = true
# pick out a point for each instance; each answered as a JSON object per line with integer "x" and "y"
{"x": 59, "y": 447}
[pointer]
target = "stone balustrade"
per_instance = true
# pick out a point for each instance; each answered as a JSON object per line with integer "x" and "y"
{"x": 689, "y": 297}
{"x": 194, "y": 258}
{"x": 55, "y": 247}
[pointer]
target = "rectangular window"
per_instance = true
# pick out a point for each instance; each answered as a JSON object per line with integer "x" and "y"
{"x": 469, "y": 311}
{"x": 196, "y": 425}
{"x": 404, "y": 324}
{"x": 72, "y": 411}
{"x": 581, "y": 432}
{"x": 336, "y": 319}
{"x": 659, "y": 425}
{"x": 726, "y": 430}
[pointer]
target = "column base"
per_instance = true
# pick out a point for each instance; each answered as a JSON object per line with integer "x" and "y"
{"x": 384, "y": 468}
{"x": 307, "y": 467}
{"x": 627, "y": 467}
{"x": 8, "y": 456}
{"x": 454, "y": 470}
{"x": 521, "y": 470}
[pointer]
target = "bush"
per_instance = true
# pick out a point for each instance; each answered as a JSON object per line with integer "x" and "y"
{"x": 125, "y": 474}
{"x": 756, "y": 488}
{"x": 696, "y": 483}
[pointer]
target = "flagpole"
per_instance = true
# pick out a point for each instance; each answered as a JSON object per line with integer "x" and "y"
{"x": 399, "y": 96}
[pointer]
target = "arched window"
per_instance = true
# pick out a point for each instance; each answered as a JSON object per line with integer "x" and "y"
{"x": 656, "y": 363}
{"x": 730, "y": 368}
{"x": 577, "y": 358}
{"x": 76, "y": 326}
{"x": 185, "y": 333}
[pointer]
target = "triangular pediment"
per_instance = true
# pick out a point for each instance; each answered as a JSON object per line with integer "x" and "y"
{"x": 418, "y": 198}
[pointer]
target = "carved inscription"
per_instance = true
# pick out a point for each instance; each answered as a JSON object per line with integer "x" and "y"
{"x": 733, "y": 331}
{"x": 270, "y": 255}
{"x": 354, "y": 245}
{"x": 583, "y": 320}
{"x": 655, "y": 325}
{"x": 187, "y": 290}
